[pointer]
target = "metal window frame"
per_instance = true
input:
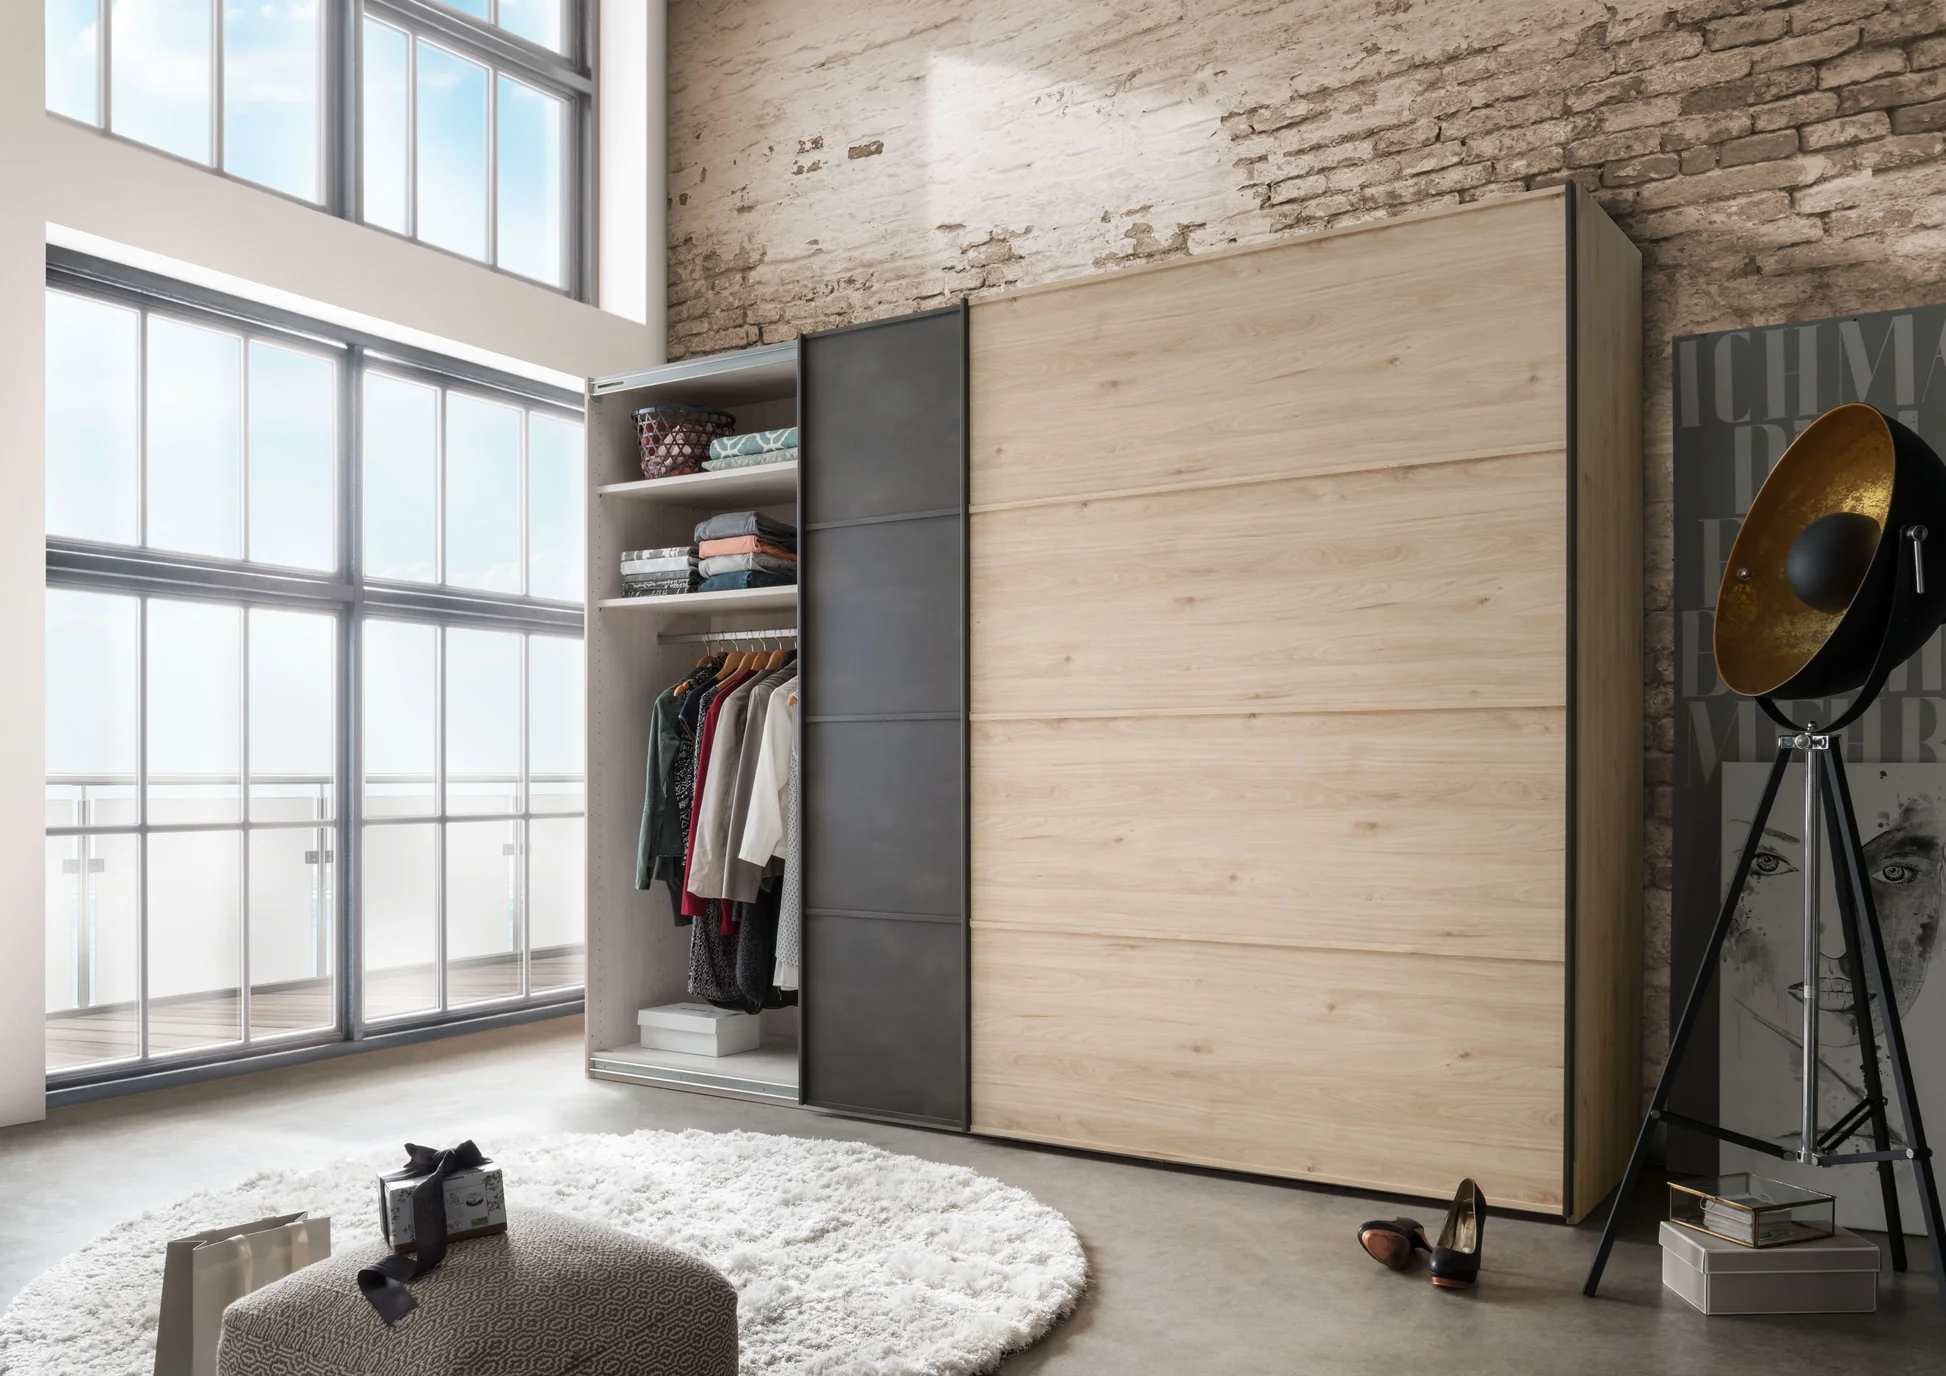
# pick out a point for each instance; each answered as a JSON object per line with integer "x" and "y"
{"x": 352, "y": 600}
{"x": 568, "y": 76}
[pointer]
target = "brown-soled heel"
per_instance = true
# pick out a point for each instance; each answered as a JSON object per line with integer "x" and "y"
{"x": 1392, "y": 1241}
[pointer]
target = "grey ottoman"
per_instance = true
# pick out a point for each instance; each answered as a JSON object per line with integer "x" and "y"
{"x": 554, "y": 1295}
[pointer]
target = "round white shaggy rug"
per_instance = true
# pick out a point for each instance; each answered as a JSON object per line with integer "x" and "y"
{"x": 845, "y": 1258}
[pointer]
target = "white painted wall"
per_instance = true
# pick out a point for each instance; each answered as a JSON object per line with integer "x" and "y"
{"x": 70, "y": 183}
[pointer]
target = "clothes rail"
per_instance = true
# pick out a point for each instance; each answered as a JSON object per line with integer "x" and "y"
{"x": 727, "y": 637}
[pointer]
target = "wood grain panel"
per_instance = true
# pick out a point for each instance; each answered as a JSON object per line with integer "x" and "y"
{"x": 1380, "y": 1071}
{"x": 1350, "y": 831}
{"x": 1431, "y": 337}
{"x": 1608, "y": 708}
{"x": 1426, "y": 587}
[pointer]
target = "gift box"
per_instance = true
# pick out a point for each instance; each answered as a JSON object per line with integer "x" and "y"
{"x": 1831, "y": 1275}
{"x": 476, "y": 1205}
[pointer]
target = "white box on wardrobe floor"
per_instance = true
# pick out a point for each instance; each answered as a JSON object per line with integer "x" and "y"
{"x": 699, "y": 1029}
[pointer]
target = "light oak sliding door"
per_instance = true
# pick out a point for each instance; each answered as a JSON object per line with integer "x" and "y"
{"x": 1285, "y": 702}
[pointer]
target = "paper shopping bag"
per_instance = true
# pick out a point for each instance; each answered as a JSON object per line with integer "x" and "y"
{"x": 204, "y": 1272}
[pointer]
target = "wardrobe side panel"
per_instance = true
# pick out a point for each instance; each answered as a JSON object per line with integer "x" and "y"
{"x": 1354, "y": 350}
{"x": 884, "y": 742}
{"x": 1312, "y": 550}
{"x": 1608, "y": 721}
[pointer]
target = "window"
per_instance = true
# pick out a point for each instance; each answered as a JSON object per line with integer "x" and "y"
{"x": 220, "y": 835}
{"x": 468, "y": 144}
{"x": 467, "y": 124}
{"x": 469, "y": 490}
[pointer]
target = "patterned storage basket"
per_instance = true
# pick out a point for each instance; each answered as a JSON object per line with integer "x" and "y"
{"x": 675, "y": 438}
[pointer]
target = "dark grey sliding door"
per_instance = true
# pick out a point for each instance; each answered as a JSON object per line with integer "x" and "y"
{"x": 883, "y": 622}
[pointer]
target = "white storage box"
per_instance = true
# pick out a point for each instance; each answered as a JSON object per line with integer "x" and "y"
{"x": 1833, "y": 1275}
{"x": 699, "y": 1029}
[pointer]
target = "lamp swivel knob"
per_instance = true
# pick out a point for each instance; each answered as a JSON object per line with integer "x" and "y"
{"x": 1917, "y": 535}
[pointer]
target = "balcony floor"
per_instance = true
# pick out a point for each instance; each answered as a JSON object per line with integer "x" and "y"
{"x": 203, "y": 1021}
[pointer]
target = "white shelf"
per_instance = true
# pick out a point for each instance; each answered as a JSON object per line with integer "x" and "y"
{"x": 769, "y": 1072}
{"x": 707, "y": 603}
{"x": 761, "y": 484}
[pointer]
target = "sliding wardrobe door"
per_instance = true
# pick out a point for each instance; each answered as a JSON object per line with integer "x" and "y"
{"x": 883, "y": 630}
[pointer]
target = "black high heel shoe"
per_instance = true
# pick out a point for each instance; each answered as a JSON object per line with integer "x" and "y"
{"x": 1392, "y": 1241}
{"x": 1456, "y": 1258}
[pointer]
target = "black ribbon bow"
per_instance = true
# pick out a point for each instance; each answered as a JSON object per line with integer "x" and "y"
{"x": 384, "y": 1283}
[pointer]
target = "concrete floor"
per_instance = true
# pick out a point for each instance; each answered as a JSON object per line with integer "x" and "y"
{"x": 1194, "y": 1274}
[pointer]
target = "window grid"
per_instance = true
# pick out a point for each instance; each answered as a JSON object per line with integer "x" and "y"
{"x": 565, "y": 76}
{"x": 144, "y": 573}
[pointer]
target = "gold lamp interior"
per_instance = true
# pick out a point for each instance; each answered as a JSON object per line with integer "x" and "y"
{"x": 1765, "y": 635}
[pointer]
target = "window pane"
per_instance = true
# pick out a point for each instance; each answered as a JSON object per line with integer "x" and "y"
{"x": 270, "y": 94}
{"x": 292, "y": 985}
{"x": 452, "y": 191}
{"x": 386, "y": 126}
{"x": 401, "y": 444}
{"x": 91, "y": 949}
{"x": 399, "y": 924}
{"x": 293, "y": 685}
{"x": 160, "y": 74}
{"x": 556, "y": 738}
{"x": 476, "y": 8}
{"x": 401, "y": 672}
{"x": 72, "y": 33}
{"x": 482, "y": 721}
{"x": 93, "y": 711}
{"x": 195, "y": 713}
{"x": 556, "y": 535}
{"x": 93, "y": 352}
{"x": 529, "y": 203}
{"x": 293, "y": 457}
{"x": 557, "y": 904}
{"x": 195, "y": 406}
{"x": 482, "y": 912}
{"x": 195, "y": 939}
{"x": 537, "y": 21}
{"x": 482, "y": 494}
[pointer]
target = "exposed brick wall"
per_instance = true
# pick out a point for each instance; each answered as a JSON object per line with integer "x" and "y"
{"x": 1774, "y": 161}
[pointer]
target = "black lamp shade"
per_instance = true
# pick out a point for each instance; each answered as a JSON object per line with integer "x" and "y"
{"x": 1808, "y": 593}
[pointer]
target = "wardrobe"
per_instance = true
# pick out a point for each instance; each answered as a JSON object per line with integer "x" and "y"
{"x": 1222, "y": 708}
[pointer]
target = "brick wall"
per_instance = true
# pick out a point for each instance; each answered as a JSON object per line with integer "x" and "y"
{"x": 1774, "y": 161}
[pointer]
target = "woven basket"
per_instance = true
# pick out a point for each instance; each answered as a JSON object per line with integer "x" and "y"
{"x": 675, "y": 438}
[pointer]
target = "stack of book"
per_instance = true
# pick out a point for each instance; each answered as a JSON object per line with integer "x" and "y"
{"x": 1745, "y": 1225}
{"x": 662, "y": 572}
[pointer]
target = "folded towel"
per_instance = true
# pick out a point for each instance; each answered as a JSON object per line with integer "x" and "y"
{"x": 744, "y": 544}
{"x": 766, "y": 456}
{"x": 660, "y": 552}
{"x": 657, "y": 589}
{"x": 740, "y": 563}
{"x": 732, "y": 523}
{"x": 749, "y": 578}
{"x": 756, "y": 442}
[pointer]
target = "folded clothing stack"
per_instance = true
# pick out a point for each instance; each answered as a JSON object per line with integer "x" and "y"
{"x": 659, "y": 572}
{"x": 743, "y": 549}
{"x": 757, "y": 447}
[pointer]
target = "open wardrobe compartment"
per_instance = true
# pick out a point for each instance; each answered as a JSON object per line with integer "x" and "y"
{"x": 1219, "y": 711}
{"x": 862, "y": 650}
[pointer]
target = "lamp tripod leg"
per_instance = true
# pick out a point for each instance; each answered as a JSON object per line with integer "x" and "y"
{"x": 1692, "y": 1011}
{"x": 1861, "y": 1011}
{"x": 1879, "y": 970}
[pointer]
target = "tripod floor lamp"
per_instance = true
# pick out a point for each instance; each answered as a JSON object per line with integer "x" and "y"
{"x": 1836, "y": 578}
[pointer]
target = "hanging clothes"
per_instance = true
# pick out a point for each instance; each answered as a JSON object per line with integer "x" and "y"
{"x": 715, "y": 797}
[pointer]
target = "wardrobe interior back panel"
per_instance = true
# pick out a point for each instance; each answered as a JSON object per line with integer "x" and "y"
{"x": 1269, "y": 638}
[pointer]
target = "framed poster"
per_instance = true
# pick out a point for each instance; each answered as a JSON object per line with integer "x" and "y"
{"x": 1740, "y": 397}
{"x": 1760, "y": 1033}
